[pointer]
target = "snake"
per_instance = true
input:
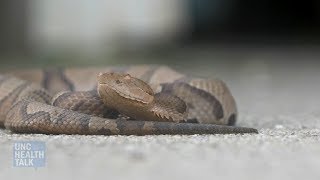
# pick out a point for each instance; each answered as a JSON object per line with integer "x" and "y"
{"x": 128, "y": 100}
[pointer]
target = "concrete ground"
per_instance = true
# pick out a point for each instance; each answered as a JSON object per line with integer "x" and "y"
{"x": 280, "y": 98}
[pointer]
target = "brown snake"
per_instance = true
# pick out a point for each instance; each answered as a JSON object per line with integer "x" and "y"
{"x": 136, "y": 100}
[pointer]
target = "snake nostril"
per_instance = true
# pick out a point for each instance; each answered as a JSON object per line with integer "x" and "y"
{"x": 118, "y": 81}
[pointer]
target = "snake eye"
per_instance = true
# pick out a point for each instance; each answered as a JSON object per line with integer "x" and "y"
{"x": 117, "y": 81}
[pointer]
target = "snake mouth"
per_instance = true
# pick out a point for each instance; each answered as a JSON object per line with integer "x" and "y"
{"x": 102, "y": 83}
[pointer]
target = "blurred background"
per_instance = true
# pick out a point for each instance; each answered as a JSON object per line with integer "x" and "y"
{"x": 80, "y": 32}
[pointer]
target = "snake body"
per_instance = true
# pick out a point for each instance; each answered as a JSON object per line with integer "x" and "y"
{"x": 156, "y": 99}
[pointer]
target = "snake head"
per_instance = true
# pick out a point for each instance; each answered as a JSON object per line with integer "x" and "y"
{"x": 125, "y": 86}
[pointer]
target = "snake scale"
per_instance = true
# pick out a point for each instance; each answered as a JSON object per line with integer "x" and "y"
{"x": 135, "y": 100}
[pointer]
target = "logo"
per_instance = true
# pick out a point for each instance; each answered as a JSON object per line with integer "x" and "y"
{"x": 29, "y": 154}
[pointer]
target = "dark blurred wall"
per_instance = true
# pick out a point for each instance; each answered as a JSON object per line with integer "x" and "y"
{"x": 261, "y": 19}
{"x": 212, "y": 21}
{"x": 13, "y": 27}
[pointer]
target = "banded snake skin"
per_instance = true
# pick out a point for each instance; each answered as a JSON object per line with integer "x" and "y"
{"x": 67, "y": 101}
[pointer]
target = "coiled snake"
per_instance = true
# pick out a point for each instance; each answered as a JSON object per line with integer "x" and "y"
{"x": 116, "y": 102}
